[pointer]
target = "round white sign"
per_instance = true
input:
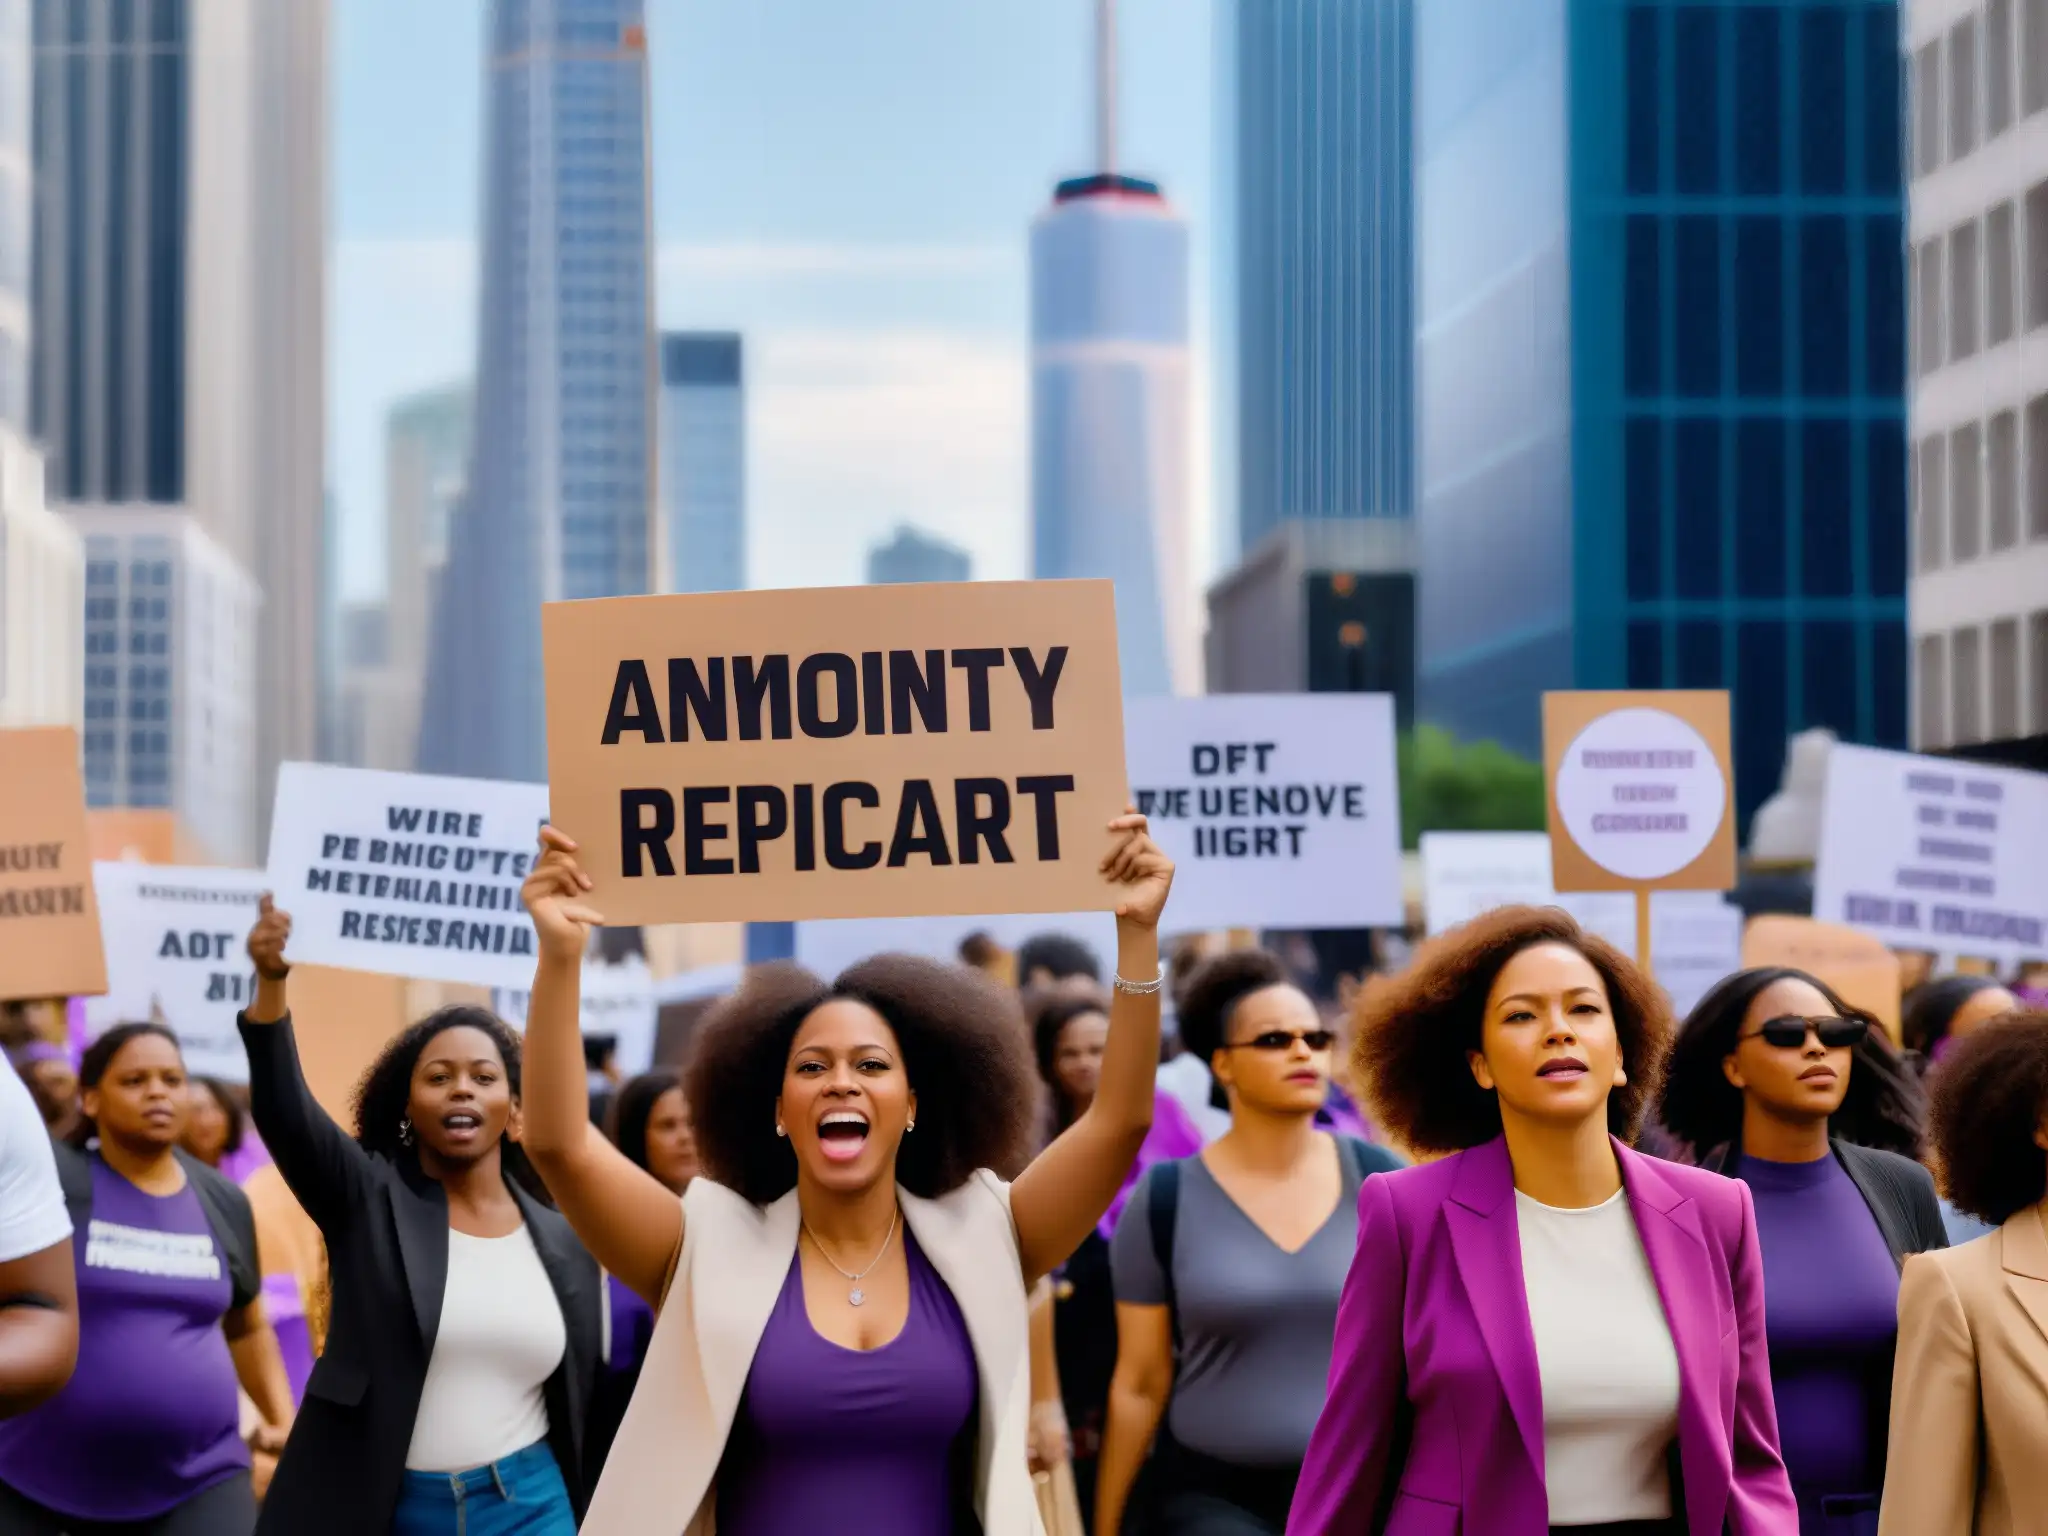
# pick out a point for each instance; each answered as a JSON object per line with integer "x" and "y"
{"x": 1641, "y": 793}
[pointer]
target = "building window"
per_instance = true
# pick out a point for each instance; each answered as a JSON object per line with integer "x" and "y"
{"x": 1998, "y": 64}
{"x": 1928, "y": 261}
{"x": 1966, "y": 494}
{"x": 1932, "y": 671}
{"x": 2005, "y": 680}
{"x": 1829, "y": 665}
{"x": 1760, "y": 507}
{"x": 1931, "y": 504}
{"x": 1888, "y": 476}
{"x": 1823, "y": 100}
{"x": 1966, "y": 685}
{"x": 2034, "y": 57}
{"x": 2036, "y": 457}
{"x": 2001, "y": 264}
{"x": 2002, "y": 480}
{"x": 1696, "y": 88}
{"x": 1962, "y": 88}
{"x": 1759, "y": 133}
{"x": 1696, "y": 249}
{"x": 2035, "y": 253}
{"x": 2037, "y": 669}
{"x": 1696, "y": 509}
{"x": 1643, "y": 545}
{"x": 1963, "y": 279}
{"x": 1927, "y": 106}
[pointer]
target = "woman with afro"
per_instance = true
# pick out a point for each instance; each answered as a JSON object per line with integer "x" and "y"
{"x": 1543, "y": 1330}
{"x": 462, "y": 1333}
{"x": 842, "y": 1334}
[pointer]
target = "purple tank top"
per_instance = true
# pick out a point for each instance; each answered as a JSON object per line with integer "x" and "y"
{"x": 855, "y": 1442}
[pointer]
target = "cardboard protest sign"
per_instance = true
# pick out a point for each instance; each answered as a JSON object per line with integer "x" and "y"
{"x": 1930, "y": 853}
{"x": 1279, "y": 810}
{"x": 49, "y": 919}
{"x": 176, "y": 952}
{"x": 618, "y": 1000}
{"x": 407, "y": 874}
{"x": 1860, "y": 969}
{"x": 341, "y": 1020}
{"x": 862, "y": 751}
{"x": 1641, "y": 791}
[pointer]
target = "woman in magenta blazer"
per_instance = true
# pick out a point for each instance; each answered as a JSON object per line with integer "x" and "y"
{"x": 1543, "y": 1331}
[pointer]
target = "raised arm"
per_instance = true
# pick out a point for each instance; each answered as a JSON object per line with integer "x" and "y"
{"x": 628, "y": 1220}
{"x": 321, "y": 1163}
{"x": 1058, "y": 1200}
{"x": 1760, "y": 1502}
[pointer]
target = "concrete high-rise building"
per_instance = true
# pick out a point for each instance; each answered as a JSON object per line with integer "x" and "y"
{"x": 1979, "y": 591}
{"x": 1662, "y": 354}
{"x": 171, "y": 635}
{"x": 559, "y": 494}
{"x": 42, "y": 597}
{"x": 1109, "y": 399}
{"x": 703, "y": 435}
{"x": 179, "y": 297}
{"x": 913, "y": 555}
{"x": 1316, "y": 262}
{"x": 17, "y": 167}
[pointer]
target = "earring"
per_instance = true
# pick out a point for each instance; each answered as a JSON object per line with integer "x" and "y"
{"x": 779, "y": 1130}
{"x": 405, "y": 1131}
{"x": 909, "y": 1126}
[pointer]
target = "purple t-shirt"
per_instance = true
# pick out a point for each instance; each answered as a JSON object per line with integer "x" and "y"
{"x": 151, "y": 1417}
{"x": 855, "y": 1442}
{"x": 632, "y": 1328}
{"x": 1831, "y": 1308}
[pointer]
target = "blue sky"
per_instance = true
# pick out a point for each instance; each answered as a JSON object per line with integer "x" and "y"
{"x": 848, "y": 182}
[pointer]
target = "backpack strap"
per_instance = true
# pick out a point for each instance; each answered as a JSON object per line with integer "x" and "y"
{"x": 233, "y": 1221}
{"x": 1368, "y": 1158}
{"x": 1162, "y": 1213}
{"x": 74, "y": 1178}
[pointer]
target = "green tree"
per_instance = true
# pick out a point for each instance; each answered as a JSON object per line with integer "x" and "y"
{"x": 1452, "y": 786}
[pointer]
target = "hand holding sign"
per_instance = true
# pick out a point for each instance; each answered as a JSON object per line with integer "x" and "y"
{"x": 550, "y": 893}
{"x": 267, "y": 940}
{"x": 1142, "y": 867}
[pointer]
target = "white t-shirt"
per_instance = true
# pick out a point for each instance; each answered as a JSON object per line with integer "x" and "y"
{"x": 32, "y": 1214}
{"x": 1608, "y": 1367}
{"x": 500, "y": 1339}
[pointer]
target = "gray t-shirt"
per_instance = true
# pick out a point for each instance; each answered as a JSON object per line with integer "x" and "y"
{"x": 1255, "y": 1321}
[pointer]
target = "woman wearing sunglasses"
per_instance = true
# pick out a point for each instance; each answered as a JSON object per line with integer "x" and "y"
{"x": 1227, "y": 1267}
{"x": 1779, "y": 1083}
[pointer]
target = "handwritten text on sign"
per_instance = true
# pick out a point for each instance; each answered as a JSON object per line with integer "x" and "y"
{"x": 1926, "y": 853}
{"x": 49, "y": 922}
{"x": 1280, "y": 810}
{"x": 407, "y": 874}
{"x": 812, "y": 754}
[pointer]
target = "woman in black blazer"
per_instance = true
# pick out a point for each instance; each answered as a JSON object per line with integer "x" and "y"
{"x": 1778, "y": 1082}
{"x": 463, "y": 1339}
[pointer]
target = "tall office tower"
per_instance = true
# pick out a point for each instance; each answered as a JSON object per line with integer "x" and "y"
{"x": 1109, "y": 398}
{"x": 913, "y": 555}
{"x": 171, "y": 634}
{"x": 42, "y": 597}
{"x": 17, "y": 166}
{"x": 179, "y": 297}
{"x": 558, "y": 501}
{"x": 1662, "y": 346}
{"x": 703, "y": 434}
{"x": 1316, "y": 312}
{"x": 1979, "y": 590}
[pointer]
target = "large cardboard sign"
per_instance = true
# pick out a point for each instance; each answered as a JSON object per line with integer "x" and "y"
{"x": 1861, "y": 970}
{"x": 861, "y": 751}
{"x": 1930, "y": 853}
{"x": 1279, "y": 810}
{"x": 176, "y": 952}
{"x": 406, "y": 874}
{"x": 1641, "y": 791}
{"x": 49, "y": 918}
{"x": 618, "y": 1000}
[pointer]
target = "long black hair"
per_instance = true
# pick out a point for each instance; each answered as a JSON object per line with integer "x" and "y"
{"x": 1932, "y": 1007}
{"x": 382, "y": 1097}
{"x": 1883, "y": 1108}
{"x": 92, "y": 1067}
{"x": 634, "y": 1107}
{"x": 1052, "y": 1018}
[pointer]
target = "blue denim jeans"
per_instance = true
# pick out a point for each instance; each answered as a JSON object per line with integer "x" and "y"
{"x": 521, "y": 1495}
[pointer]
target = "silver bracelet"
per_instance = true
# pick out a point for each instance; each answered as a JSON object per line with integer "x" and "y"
{"x": 1140, "y": 988}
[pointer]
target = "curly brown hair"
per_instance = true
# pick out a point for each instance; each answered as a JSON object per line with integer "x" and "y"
{"x": 1990, "y": 1096}
{"x": 965, "y": 1046}
{"x": 1411, "y": 1034}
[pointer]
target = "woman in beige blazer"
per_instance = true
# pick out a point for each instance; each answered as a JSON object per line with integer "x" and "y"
{"x": 843, "y": 1334}
{"x": 1969, "y": 1431}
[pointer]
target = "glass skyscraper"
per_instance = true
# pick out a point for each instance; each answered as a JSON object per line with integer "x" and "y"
{"x": 559, "y": 494}
{"x": 704, "y": 461}
{"x": 1661, "y": 348}
{"x": 1317, "y": 261}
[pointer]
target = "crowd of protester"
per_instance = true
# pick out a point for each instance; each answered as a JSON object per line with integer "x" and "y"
{"x": 1490, "y": 1243}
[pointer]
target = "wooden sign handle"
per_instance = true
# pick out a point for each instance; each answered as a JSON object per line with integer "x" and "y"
{"x": 1643, "y": 930}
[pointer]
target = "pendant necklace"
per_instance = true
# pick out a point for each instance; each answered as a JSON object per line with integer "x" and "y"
{"x": 857, "y": 1296}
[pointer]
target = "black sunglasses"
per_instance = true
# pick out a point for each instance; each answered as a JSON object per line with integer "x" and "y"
{"x": 1283, "y": 1040}
{"x": 1789, "y": 1033}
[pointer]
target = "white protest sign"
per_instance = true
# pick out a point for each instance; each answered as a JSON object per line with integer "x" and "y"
{"x": 828, "y": 946}
{"x": 406, "y": 874}
{"x": 1695, "y": 941}
{"x": 618, "y": 1000}
{"x": 1278, "y": 810}
{"x": 176, "y": 952}
{"x": 1933, "y": 853}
